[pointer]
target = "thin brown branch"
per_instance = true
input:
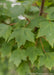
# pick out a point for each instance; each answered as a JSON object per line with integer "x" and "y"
{"x": 41, "y": 9}
{"x": 28, "y": 21}
{"x": 25, "y": 25}
{"x": 12, "y": 24}
{"x": 36, "y": 42}
{"x": 42, "y": 46}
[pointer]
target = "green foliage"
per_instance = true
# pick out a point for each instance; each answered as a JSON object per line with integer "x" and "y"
{"x": 17, "y": 56}
{"x": 26, "y": 39}
{"x": 5, "y": 31}
{"x": 24, "y": 69}
{"x": 47, "y": 31}
{"x": 33, "y": 52}
{"x": 47, "y": 59}
{"x": 21, "y": 35}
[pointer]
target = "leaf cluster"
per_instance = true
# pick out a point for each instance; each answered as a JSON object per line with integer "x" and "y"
{"x": 26, "y": 39}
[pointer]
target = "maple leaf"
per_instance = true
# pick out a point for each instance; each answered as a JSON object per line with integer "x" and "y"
{"x": 6, "y": 48}
{"x": 21, "y": 35}
{"x": 5, "y": 31}
{"x": 35, "y": 22}
{"x": 47, "y": 60}
{"x": 33, "y": 52}
{"x": 47, "y": 30}
{"x": 24, "y": 69}
{"x": 17, "y": 56}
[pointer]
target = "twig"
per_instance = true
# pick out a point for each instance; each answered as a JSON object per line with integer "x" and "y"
{"x": 28, "y": 21}
{"x": 25, "y": 25}
{"x": 12, "y": 24}
{"x": 36, "y": 42}
{"x": 41, "y": 9}
{"x": 42, "y": 46}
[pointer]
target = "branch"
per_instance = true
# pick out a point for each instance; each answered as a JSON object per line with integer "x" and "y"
{"x": 41, "y": 9}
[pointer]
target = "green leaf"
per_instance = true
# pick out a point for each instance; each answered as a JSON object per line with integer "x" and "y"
{"x": 33, "y": 52}
{"x": 5, "y": 31}
{"x": 50, "y": 12}
{"x": 34, "y": 9}
{"x": 46, "y": 45}
{"x": 29, "y": 44}
{"x": 17, "y": 56}
{"x": 21, "y": 35}
{"x": 47, "y": 60}
{"x": 16, "y": 11}
{"x": 6, "y": 48}
{"x": 22, "y": 44}
{"x": 47, "y": 30}
{"x": 20, "y": 24}
{"x": 35, "y": 22}
{"x": 24, "y": 69}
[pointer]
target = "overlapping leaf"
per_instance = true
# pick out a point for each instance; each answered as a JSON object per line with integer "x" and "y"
{"x": 21, "y": 35}
{"x": 17, "y": 56}
{"x": 50, "y": 12}
{"x": 35, "y": 22}
{"x": 47, "y": 30}
{"x": 33, "y": 52}
{"x": 5, "y": 31}
{"x": 24, "y": 69}
{"x": 6, "y": 48}
{"x": 47, "y": 60}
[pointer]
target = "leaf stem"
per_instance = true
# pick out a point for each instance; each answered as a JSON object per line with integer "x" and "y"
{"x": 25, "y": 25}
{"x": 42, "y": 46}
{"x": 28, "y": 21}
